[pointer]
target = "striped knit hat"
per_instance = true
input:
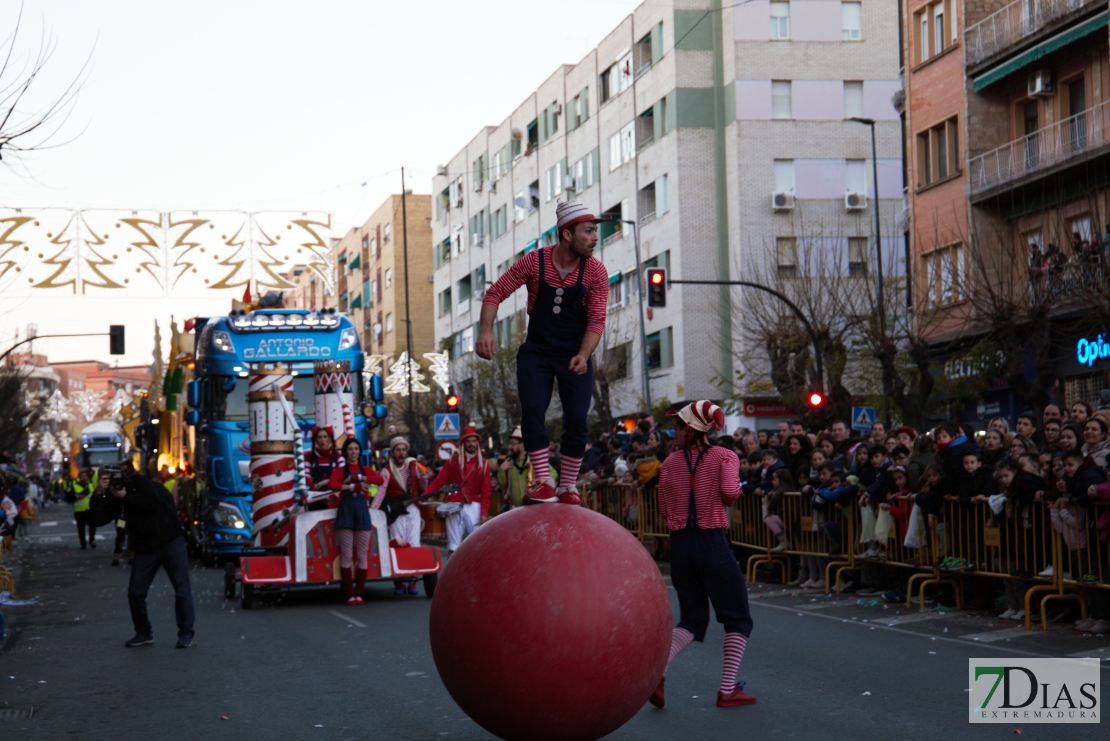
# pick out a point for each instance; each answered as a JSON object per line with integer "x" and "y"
{"x": 701, "y": 415}
{"x": 570, "y": 213}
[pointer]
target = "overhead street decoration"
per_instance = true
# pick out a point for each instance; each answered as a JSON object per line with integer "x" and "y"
{"x": 159, "y": 253}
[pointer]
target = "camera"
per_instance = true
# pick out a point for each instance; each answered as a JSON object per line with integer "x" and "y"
{"x": 116, "y": 479}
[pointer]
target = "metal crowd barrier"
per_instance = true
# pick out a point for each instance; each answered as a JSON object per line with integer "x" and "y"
{"x": 1020, "y": 545}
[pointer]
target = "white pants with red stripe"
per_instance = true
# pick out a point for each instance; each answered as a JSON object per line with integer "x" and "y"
{"x": 407, "y": 527}
{"x": 462, "y": 523}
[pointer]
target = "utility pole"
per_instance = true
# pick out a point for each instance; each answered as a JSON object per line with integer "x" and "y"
{"x": 408, "y": 315}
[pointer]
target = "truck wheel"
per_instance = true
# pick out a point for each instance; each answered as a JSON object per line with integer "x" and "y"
{"x": 229, "y": 581}
{"x": 430, "y": 584}
{"x": 248, "y": 596}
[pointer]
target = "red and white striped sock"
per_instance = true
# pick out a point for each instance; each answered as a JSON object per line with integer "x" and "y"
{"x": 539, "y": 464}
{"x": 680, "y": 639}
{"x": 735, "y": 643}
{"x": 568, "y": 470}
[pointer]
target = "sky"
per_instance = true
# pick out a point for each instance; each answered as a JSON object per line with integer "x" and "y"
{"x": 261, "y": 106}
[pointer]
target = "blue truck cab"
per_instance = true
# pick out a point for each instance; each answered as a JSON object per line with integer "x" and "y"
{"x": 226, "y": 348}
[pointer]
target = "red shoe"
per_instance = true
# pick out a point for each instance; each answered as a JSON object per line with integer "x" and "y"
{"x": 656, "y": 698}
{"x": 736, "y": 697}
{"x": 569, "y": 496}
{"x": 540, "y": 492}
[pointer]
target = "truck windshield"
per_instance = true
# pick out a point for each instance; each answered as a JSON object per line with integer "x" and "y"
{"x": 95, "y": 458}
{"x": 229, "y": 397}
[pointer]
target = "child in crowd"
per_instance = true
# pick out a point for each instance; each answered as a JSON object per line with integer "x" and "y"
{"x": 1020, "y": 488}
{"x": 772, "y": 515}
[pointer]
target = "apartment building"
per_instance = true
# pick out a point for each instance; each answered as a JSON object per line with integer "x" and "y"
{"x": 716, "y": 132}
{"x": 370, "y": 286}
{"x": 1008, "y": 142}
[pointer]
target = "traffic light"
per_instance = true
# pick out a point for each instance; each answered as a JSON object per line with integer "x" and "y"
{"x": 815, "y": 399}
{"x": 657, "y": 287}
{"x": 453, "y": 403}
{"x": 115, "y": 339}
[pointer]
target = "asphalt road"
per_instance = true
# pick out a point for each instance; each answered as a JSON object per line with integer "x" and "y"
{"x": 311, "y": 667}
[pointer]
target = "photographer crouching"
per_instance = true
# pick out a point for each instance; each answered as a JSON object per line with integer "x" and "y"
{"x": 156, "y": 539}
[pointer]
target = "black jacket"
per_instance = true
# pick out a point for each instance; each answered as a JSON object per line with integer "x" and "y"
{"x": 1087, "y": 476}
{"x": 981, "y": 483}
{"x": 152, "y": 522}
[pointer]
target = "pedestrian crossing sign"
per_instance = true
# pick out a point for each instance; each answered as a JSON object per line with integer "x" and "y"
{"x": 447, "y": 426}
{"x": 863, "y": 418}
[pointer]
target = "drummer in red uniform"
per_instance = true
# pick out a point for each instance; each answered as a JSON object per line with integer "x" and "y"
{"x": 403, "y": 481}
{"x": 697, "y": 484}
{"x": 469, "y": 470}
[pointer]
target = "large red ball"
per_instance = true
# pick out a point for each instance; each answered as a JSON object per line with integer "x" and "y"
{"x": 551, "y": 622}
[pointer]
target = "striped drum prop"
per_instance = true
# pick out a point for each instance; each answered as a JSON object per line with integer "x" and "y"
{"x": 273, "y": 434}
{"x": 333, "y": 401}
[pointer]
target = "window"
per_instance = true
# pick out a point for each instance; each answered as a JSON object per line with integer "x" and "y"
{"x": 466, "y": 341}
{"x": 786, "y": 254}
{"x": 660, "y": 349}
{"x": 388, "y": 323}
{"x": 478, "y": 227}
{"x": 780, "y": 99}
{"x": 780, "y": 20}
{"x": 549, "y": 122}
{"x": 388, "y": 277}
{"x": 463, "y": 289}
{"x": 610, "y": 230}
{"x": 857, "y": 255}
{"x": 520, "y": 207}
{"x": 645, "y": 128}
{"x": 934, "y": 30}
{"x": 937, "y": 155}
{"x": 578, "y": 110}
{"x": 554, "y": 180}
{"x": 533, "y": 137}
{"x": 853, "y": 99}
{"x": 784, "y": 176}
{"x": 622, "y": 146}
{"x": 604, "y": 92}
{"x": 443, "y": 253}
{"x": 457, "y": 244}
{"x": 587, "y": 171}
{"x": 643, "y": 55}
{"x": 856, "y": 176}
{"x": 850, "y": 22}
{"x": 622, "y": 73}
{"x": 445, "y": 301}
{"x": 621, "y": 354}
{"x": 944, "y": 276}
{"x": 534, "y": 195}
{"x": 499, "y": 222}
{"x": 652, "y": 200}
{"x": 386, "y": 232}
{"x": 617, "y": 295}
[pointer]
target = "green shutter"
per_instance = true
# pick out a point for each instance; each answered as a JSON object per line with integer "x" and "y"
{"x": 658, "y": 122}
{"x": 661, "y": 195}
{"x": 671, "y": 117}
{"x": 657, "y": 43}
{"x": 666, "y": 348}
{"x": 542, "y": 121}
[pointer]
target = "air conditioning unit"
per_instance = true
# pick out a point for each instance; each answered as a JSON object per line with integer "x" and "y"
{"x": 441, "y": 169}
{"x": 1040, "y": 83}
{"x": 855, "y": 201}
{"x": 480, "y": 241}
{"x": 431, "y": 277}
{"x": 569, "y": 182}
{"x": 556, "y": 108}
{"x": 782, "y": 201}
{"x": 491, "y": 186}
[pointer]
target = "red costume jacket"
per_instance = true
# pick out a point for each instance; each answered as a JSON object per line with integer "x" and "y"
{"x": 395, "y": 488}
{"x": 474, "y": 480}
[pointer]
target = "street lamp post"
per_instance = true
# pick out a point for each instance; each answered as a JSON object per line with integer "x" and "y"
{"x": 878, "y": 261}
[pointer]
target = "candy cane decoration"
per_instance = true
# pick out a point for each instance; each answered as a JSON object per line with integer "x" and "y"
{"x": 273, "y": 436}
{"x": 333, "y": 401}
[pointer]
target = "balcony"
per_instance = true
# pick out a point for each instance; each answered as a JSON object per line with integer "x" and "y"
{"x": 1069, "y": 139}
{"x": 1018, "y": 20}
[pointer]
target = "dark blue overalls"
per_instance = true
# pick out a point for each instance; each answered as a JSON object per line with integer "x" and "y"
{"x": 703, "y": 570}
{"x": 555, "y": 331}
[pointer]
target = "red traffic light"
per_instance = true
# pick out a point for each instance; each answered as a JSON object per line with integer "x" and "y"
{"x": 816, "y": 399}
{"x": 656, "y": 278}
{"x": 452, "y": 401}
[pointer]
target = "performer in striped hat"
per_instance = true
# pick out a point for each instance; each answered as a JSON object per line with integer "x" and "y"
{"x": 568, "y": 290}
{"x": 697, "y": 484}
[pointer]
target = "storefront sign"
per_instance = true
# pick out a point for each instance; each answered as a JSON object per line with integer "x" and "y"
{"x": 1089, "y": 352}
{"x": 759, "y": 408}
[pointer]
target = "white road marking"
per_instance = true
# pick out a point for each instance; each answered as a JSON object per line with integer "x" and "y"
{"x": 50, "y": 540}
{"x": 352, "y": 621}
{"x": 903, "y": 619}
{"x": 997, "y": 635}
{"x": 52, "y": 523}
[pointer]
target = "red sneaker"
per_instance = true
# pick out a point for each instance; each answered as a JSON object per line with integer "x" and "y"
{"x": 569, "y": 496}
{"x": 540, "y": 492}
{"x": 656, "y": 698}
{"x": 736, "y": 697}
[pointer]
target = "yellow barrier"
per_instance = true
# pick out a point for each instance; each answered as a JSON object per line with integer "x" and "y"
{"x": 1019, "y": 545}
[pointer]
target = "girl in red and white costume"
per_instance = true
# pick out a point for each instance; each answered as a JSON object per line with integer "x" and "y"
{"x": 697, "y": 484}
{"x": 353, "y": 527}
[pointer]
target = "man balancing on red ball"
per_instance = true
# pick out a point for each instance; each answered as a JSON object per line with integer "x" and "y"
{"x": 696, "y": 485}
{"x": 568, "y": 290}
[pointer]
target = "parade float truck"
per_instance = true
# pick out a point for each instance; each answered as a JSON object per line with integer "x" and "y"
{"x": 262, "y": 381}
{"x": 102, "y": 444}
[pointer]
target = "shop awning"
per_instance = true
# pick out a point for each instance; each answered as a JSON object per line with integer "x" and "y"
{"x": 356, "y": 303}
{"x": 1042, "y": 49}
{"x": 614, "y": 278}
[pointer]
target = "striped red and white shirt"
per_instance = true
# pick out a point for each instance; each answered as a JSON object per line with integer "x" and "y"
{"x": 716, "y": 486}
{"x": 525, "y": 271}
